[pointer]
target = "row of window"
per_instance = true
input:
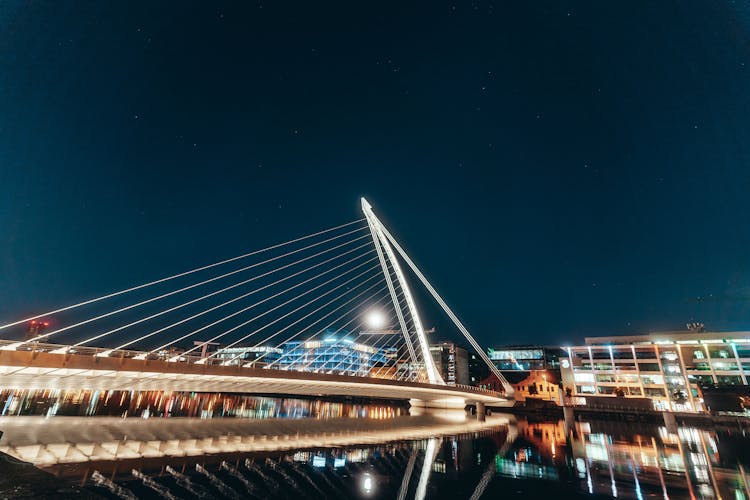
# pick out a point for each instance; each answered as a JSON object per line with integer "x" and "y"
{"x": 536, "y": 388}
{"x": 654, "y": 367}
{"x": 688, "y": 353}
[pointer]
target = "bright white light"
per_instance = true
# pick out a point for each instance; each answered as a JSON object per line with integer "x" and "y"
{"x": 375, "y": 320}
{"x": 367, "y": 483}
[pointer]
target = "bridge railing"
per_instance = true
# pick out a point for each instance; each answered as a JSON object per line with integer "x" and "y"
{"x": 122, "y": 353}
{"x": 478, "y": 390}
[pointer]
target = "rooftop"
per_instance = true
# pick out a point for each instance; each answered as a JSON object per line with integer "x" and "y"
{"x": 686, "y": 336}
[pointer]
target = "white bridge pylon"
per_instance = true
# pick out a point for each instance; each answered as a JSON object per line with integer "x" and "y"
{"x": 383, "y": 238}
{"x": 376, "y": 228}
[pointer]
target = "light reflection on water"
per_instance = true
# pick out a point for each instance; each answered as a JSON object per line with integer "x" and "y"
{"x": 85, "y": 402}
{"x": 596, "y": 458}
{"x": 523, "y": 459}
{"x": 631, "y": 460}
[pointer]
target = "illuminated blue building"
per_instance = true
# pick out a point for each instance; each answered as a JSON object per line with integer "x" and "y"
{"x": 335, "y": 353}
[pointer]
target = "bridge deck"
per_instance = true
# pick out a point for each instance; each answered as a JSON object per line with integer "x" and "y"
{"x": 46, "y": 370}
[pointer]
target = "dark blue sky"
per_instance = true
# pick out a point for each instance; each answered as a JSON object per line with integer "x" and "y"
{"x": 558, "y": 169}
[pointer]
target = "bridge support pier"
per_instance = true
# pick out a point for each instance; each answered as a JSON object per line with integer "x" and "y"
{"x": 481, "y": 412}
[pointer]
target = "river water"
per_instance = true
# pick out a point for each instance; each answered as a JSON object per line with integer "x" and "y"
{"x": 375, "y": 452}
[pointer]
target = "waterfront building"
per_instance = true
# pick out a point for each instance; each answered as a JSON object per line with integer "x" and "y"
{"x": 542, "y": 385}
{"x": 670, "y": 368}
{"x": 525, "y": 358}
{"x": 452, "y": 362}
{"x": 539, "y": 384}
{"x": 533, "y": 371}
{"x": 334, "y": 353}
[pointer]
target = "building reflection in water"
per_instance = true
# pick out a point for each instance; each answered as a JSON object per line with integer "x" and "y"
{"x": 523, "y": 459}
{"x": 48, "y": 402}
{"x": 631, "y": 462}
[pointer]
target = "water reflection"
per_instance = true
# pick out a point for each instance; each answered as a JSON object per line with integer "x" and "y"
{"x": 633, "y": 461}
{"x": 55, "y": 402}
{"x": 505, "y": 458}
{"x": 411, "y": 469}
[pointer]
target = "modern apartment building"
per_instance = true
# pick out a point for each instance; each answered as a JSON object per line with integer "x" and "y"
{"x": 670, "y": 368}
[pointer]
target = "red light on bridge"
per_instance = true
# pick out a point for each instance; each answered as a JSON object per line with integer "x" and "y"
{"x": 35, "y": 328}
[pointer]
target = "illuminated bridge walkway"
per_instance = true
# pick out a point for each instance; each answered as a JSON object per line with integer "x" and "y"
{"x": 326, "y": 314}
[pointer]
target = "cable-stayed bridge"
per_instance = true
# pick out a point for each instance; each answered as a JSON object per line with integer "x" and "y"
{"x": 330, "y": 313}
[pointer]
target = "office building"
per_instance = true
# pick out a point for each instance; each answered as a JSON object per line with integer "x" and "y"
{"x": 533, "y": 371}
{"x": 525, "y": 358}
{"x": 335, "y": 353}
{"x": 452, "y": 362}
{"x": 670, "y": 368}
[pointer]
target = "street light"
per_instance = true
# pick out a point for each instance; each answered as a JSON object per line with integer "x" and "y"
{"x": 375, "y": 319}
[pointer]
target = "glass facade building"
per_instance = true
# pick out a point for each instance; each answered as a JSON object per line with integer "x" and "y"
{"x": 335, "y": 353}
{"x": 670, "y": 368}
{"x": 525, "y": 358}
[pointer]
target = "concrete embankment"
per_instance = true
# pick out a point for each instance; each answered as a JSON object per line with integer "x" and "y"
{"x": 700, "y": 420}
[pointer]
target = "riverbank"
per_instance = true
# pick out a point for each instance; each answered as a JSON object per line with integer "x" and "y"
{"x": 700, "y": 420}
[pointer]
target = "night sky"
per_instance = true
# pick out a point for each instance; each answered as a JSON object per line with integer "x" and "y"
{"x": 558, "y": 169}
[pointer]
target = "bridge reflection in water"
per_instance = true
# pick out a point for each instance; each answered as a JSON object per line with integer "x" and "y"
{"x": 424, "y": 456}
{"x": 235, "y": 458}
